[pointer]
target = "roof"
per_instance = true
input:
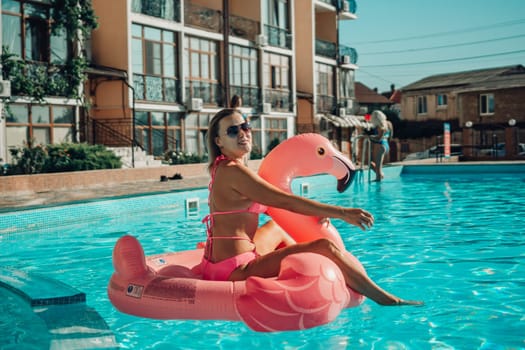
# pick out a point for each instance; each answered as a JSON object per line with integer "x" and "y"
{"x": 364, "y": 95}
{"x": 396, "y": 96}
{"x": 465, "y": 78}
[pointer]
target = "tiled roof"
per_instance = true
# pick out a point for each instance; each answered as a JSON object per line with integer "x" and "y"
{"x": 463, "y": 79}
{"x": 364, "y": 95}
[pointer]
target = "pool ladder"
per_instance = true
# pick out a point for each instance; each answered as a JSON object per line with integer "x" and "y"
{"x": 366, "y": 157}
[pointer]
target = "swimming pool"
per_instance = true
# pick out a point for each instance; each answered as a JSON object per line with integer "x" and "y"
{"x": 455, "y": 241}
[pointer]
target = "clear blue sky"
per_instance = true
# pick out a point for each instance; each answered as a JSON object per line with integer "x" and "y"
{"x": 397, "y": 39}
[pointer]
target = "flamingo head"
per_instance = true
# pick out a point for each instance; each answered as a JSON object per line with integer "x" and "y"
{"x": 306, "y": 155}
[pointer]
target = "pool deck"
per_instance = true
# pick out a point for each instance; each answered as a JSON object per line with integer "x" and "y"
{"x": 117, "y": 183}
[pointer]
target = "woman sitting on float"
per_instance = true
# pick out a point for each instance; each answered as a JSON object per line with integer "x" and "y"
{"x": 236, "y": 248}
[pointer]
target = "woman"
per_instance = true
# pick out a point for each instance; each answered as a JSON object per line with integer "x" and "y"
{"x": 383, "y": 131}
{"x": 236, "y": 248}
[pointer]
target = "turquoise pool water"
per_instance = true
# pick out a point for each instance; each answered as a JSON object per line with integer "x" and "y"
{"x": 455, "y": 241}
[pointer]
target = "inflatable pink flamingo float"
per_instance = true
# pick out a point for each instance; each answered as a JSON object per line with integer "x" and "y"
{"x": 309, "y": 291}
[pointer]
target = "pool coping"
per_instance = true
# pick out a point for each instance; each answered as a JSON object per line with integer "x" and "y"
{"x": 198, "y": 179}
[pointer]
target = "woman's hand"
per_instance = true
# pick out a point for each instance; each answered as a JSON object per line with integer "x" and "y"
{"x": 358, "y": 217}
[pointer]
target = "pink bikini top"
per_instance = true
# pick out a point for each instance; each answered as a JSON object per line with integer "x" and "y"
{"x": 255, "y": 208}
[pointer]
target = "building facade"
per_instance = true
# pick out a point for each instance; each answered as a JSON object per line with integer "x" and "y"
{"x": 160, "y": 69}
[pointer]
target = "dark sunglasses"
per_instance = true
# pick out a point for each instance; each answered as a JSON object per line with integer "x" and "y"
{"x": 233, "y": 130}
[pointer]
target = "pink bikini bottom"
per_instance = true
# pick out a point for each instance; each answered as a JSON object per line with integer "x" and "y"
{"x": 221, "y": 271}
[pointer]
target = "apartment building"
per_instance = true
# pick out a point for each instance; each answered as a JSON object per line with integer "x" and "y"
{"x": 159, "y": 70}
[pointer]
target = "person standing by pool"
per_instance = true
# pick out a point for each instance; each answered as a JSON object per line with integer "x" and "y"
{"x": 383, "y": 132}
{"x": 236, "y": 247}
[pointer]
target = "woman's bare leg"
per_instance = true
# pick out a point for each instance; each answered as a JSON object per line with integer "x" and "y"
{"x": 269, "y": 265}
{"x": 271, "y": 236}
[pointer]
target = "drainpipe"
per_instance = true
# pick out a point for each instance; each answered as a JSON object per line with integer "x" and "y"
{"x": 134, "y": 140}
{"x": 226, "y": 49}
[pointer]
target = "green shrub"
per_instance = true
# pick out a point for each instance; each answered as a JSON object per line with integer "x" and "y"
{"x": 178, "y": 157}
{"x": 64, "y": 157}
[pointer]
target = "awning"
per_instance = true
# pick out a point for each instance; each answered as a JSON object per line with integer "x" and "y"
{"x": 348, "y": 121}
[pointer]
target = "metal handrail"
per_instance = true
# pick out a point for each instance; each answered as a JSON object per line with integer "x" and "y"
{"x": 365, "y": 149}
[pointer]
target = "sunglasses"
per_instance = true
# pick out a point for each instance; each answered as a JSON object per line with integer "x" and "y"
{"x": 233, "y": 130}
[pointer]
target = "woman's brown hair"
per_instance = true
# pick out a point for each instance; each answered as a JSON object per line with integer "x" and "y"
{"x": 213, "y": 131}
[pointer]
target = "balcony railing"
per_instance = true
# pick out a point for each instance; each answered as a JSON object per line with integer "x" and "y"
{"x": 281, "y": 100}
{"x": 251, "y": 96}
{"x": 169, "y": 10}
{"x": 325, "y": 48}
{"x": 278, "y": 37}
{"x": 351, "y": 7}
{"x": 202, "y": 17}
{"x": 244, "y": 28}
{"x": 210, "y": 93}
{"x": 348, "y": 51}
{"x": 326, "y": 104}
{"x": 158, "y": 89}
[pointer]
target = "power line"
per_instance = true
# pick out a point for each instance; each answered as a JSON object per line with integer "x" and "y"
{"x": 446, "y": 60}
{"x": 443, "y": 46}
{"x": 466, "y": 30}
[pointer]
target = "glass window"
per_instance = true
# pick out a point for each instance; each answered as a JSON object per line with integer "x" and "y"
{"x": 42, "y": 136}
{"x": 17, "y": 136}
{"x": 18, "y": 114}
{"x": 202, "y": 70}
{"x": 155, "y": 66}
{"x": 441, "y": 100}
{"x": 486, "y": 104}
{"x": 421, "y": 105}
{"x": 40, "y": 114}
{"x": 64, "y": 115}
{"x": 11, "y": 34}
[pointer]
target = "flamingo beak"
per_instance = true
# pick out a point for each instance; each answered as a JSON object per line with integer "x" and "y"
{"x": 345, "y": 172}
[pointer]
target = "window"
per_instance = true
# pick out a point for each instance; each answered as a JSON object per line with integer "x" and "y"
{"x": 196, "y": 127}
{"x": 276, "y": 70}
{"x": 325, "y": 88}
{"x": 421, "y": 105}
{"x": 441, "y": 100}
{"x": 486, "y": 104}
{"x": 167, "y": 9}
{"x": 44, "y": 124}
{"x": 158, "y": 132}
{"x": 244, "y": 74}
{"x": 26, "y": 28}
{"x": 155, "y": 65}
{"x": 275, "y": 131}
{"x": 347, "y": 85}
{"x": 202, "y": 67}
{"x": 277, "y": 24}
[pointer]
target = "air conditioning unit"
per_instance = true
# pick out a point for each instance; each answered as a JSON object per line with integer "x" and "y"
{"x": 5, "y": 88}
{"x": 261, "y": 40}
{"x": 345, "y": 59}
{"x": 267, "y": 108}
{"x": 196, "y": 104}
{"x": 342, "y": 111}
{"x": 346, "y": 6}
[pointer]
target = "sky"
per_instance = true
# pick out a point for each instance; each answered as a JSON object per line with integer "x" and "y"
{"x": 402, "y": 41}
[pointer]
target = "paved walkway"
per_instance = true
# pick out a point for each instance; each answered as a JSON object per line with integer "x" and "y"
{"x": 18, "y": 200}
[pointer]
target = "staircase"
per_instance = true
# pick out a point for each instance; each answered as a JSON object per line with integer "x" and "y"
{"x": 142, "y": 160}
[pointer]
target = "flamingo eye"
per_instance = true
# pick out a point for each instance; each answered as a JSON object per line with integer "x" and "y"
{"x": 320, "y": 151}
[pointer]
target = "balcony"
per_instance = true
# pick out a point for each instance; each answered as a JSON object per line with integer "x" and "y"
{"x": 325, "y": 49}
{"x": 281, "y": 100}
{"x": 278, "y": 37}
{"x": 251, "y": 96}
{"x": 169, "y": 10}
{"x": 202, "y": 17}
{"x": 347, "y": 55}
{"x": 210, "y": 93}
{"x": 326, "y": 104}
{"x": 243, "y": 28}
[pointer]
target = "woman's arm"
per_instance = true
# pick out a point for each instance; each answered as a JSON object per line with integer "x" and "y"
{"x": 250, "y": 185}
